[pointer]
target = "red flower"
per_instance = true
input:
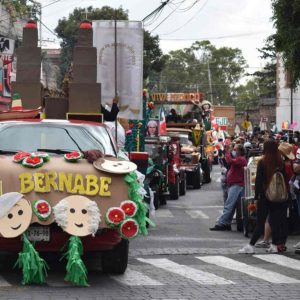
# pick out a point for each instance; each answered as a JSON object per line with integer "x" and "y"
{"x": 129, "y": 228}
{"x": 115, "y": 215}
{"x": 150, "y": 105}
{"x": 33, "y": 160}
{"x": 42, "y": 207}
{"x": 129, "y": 207}
{"x": 20, "y": 156}
{"x": 74, "y": 154}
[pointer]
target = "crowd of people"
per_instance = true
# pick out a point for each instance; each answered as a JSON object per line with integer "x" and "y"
{"x": 277, "y": 187}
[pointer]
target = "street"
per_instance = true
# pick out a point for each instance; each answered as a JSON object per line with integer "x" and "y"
{"x": 180, "y": 259}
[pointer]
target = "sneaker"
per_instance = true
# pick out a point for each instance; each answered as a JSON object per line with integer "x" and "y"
{"x": 218, "y": 228}
{"x": 247, "y": 249}
{"x": 297, "y": 245}
{"x": 272, "y": 249}
{"x": 262, "y": 244}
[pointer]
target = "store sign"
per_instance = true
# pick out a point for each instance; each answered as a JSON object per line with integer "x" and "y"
{"x": 221, "y": 121}
{"x": 7, "y": 47}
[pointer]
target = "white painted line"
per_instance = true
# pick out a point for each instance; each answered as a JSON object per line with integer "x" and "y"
{"x": 197, "y": 214}
{"x": 199, "y": 276}
{"x": 135, "y": 278}
{"x": 184, "y": 206}
{"x": 4, "y": 283}
{"x": 280, "y": 260}
{"x": 256, "y": 272}
{"x": 163, "y": 213}
{"x": 218, "y": 179}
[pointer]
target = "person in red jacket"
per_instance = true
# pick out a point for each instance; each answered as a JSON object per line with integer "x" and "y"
{"x": 236, "y": 161}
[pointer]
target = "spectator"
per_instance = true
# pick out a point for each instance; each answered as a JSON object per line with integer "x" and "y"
{"x": 235, "y": 181}
{"x": 271, "y": 161}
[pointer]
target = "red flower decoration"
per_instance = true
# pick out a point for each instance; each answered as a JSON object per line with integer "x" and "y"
{"x": 150, "y": 105}
{"x": 115, "y": 215}
{"x": 129, "y": 208}
{"x": 20, "y": 156}
{"x": 42, "y": 207}
{"x": 34, "y": 160}
{"x": 129, "y": 228}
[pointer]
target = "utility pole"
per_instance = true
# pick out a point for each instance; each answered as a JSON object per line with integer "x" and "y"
{"x": 209, "y": 82}
{"x": 38, "y": 6}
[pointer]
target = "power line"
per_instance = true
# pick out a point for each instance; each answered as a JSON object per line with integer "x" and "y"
{"x": 50, "y": 3}
{"x": 214, "y": 38}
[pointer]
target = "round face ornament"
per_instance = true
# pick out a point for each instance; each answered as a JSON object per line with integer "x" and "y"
{"x": 115, "y": 166}
{"x": 15, "y": 218}
{"x": 298, "y": 154}
{"x": 77, "y": 215}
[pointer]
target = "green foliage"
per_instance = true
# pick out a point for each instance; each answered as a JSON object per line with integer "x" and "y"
{"x": 286, "y": 17}
{"x": 17, "y": 8}
{"x": 186, "y": 70}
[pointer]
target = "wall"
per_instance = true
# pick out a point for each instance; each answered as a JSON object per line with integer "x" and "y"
{"x": 283, "y": 98}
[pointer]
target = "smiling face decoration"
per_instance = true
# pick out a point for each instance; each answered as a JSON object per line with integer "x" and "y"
{"x": 77, "y": 215}
{"x": 15, "y": 214}
{"x": 115, "y": 166}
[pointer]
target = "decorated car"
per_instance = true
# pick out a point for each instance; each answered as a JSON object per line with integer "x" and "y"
{"x": 51, "y": 195}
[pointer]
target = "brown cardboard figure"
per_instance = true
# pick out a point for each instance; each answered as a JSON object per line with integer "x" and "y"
{"x": 77, "y": 215}
{"x": 114, "y": 166}
{"x": 15, "y": 214}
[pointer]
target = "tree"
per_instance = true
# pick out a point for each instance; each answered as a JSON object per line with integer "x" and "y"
{"x": 286, "y": 17}
{"x": 186, "y": 70}
{"x": 67, "y": 30}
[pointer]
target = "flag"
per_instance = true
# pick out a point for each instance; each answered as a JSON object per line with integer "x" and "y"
{"x": 162, "y": 121}
{"x": 293, "y": 125}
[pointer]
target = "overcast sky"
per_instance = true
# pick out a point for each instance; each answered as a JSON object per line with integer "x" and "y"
{"x": 243, "y": 24}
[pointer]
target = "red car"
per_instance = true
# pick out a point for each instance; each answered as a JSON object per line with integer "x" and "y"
{"x": 58, "y": 137}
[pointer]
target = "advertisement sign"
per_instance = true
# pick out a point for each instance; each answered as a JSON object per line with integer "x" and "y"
{"x": 221, "y": 121}
{"x": 129, "y": 52}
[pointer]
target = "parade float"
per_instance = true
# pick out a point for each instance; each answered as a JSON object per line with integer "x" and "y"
{"x": 53, "y": 196}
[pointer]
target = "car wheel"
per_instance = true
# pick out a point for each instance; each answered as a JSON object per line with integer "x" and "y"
{"x": 206, "y": 171}
{"x": 115, "y": 260}
{"x": 174, "y": 189}
{"x": 197, "y": 178}
{"x": 182, "y": 185}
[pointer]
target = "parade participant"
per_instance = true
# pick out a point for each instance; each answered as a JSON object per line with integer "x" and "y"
{"x": 271, "y": 161}
{"x": 152, "y": 128}
{"x": 112, "y": 114}
{"x": 235, "y": 182}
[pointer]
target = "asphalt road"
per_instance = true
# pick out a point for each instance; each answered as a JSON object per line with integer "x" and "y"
{"x": 179, "y": 259}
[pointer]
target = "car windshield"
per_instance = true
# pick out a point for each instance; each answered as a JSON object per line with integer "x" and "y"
{"x": 31, "y": 137}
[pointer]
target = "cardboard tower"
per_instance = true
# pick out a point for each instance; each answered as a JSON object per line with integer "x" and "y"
{"x": 84, "y": 91}
{"x": 28, "y": 72}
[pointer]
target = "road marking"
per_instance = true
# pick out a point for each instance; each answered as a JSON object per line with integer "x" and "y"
{"x": 163, "y": 213}
{"x": 280, "y": 260}
{"x": 256, "y": 272}
{"x": 135, "y": 278}
{"x": 197, "y": 214}
{"x": 4, "y": 283}
{"x": 218, "y": 179}
{"x": 185, "y": 271}
{"x": 184, "y": 206}
{"x": 183, "y": 238}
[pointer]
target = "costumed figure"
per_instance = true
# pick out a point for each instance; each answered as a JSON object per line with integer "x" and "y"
{"x": 15, "y": 218}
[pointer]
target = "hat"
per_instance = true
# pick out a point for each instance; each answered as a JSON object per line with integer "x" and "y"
{"x": 17, "y": 111}
{"x": 113, "y": 165}
{"x": 7, "y": 201}
{"x": 287, "y": 150}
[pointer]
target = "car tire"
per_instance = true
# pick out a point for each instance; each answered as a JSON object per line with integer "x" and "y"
{"x": 182, "y": 185}
{"x": 115, "y": 261}
{"x": 206, "y": 167}
{"x": 197, "y": 178}
{"x": 174, "y": 189}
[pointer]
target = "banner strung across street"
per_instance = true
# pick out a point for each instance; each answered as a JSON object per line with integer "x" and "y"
{"x": 129, "y": 65}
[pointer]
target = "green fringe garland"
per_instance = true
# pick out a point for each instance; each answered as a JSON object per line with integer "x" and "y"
{"x": 133, "y": 194}
{"x": 76, "y": 270}
{"x": 34, "y": 268}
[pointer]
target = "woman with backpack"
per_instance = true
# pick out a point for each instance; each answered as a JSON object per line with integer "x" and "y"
{"x": 270, "y": 170}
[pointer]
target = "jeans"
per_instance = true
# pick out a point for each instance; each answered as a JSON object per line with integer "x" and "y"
{"x": 235, "y": 192}
{"x": 298, "y": 203}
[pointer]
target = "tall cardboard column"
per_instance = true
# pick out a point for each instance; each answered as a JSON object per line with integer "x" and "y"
{"x": 84, "y": 91}
{"x": 28, "y": 73}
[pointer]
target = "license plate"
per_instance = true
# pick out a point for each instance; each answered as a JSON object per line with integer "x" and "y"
{"x": 38, "y": 234}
